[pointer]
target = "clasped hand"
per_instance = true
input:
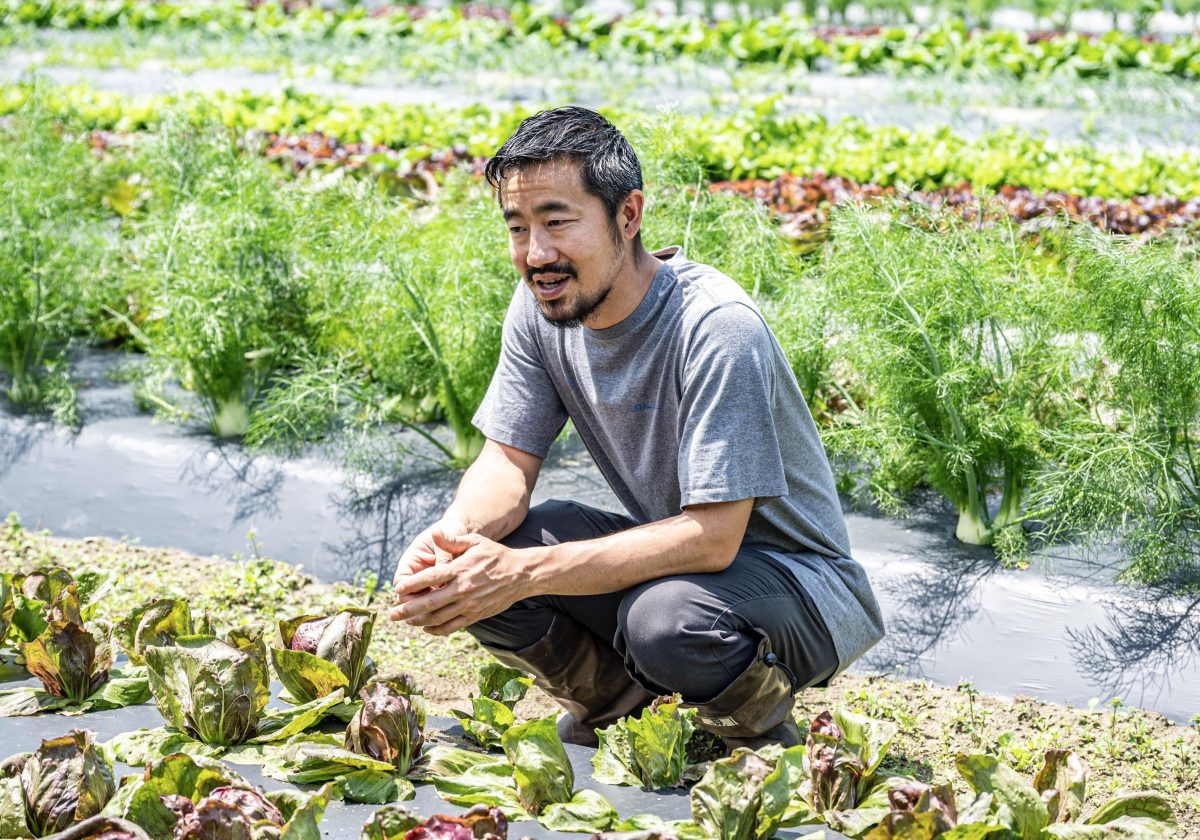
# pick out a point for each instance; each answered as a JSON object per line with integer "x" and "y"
{"x": 449, "y": 579}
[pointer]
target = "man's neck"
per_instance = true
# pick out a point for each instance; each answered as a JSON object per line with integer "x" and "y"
{"x": 628, "y": 290}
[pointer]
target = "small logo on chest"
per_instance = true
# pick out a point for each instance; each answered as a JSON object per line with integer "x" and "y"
{"x": 644, "y": 406}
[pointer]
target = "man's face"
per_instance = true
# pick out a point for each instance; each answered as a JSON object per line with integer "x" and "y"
{"x": 561, "y": 241}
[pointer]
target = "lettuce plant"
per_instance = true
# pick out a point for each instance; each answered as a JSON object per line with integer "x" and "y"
{"x": 394, "y": 822}
{"x": 500, "y": 689}
{"x": 66, "y": 780}
{"x": 1050, "y": 806}
{"x": 841, "y": 785}
{"x": 533, "y": 780}
{"x": 371, "y": 761}
{"x": 386, "y": 728}
{"x": 215, "y": 691}
{"x": 37, "y": 596}
{"x": 208, "y": 688}
{"x": 157, "y": 622}
{"x": 101, "y": 827}
{"x": 71, "y": 658}
{"x": 919, "y": 811}
{"x": 745, "y": 796}
{"x": 321, "y": 654}
{"x": 1005, "y": 804}
{"x": 650, "y": 751}
{"x": 194, "y": 797}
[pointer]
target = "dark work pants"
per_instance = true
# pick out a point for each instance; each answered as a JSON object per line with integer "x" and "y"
{"x": 692, "y": 634}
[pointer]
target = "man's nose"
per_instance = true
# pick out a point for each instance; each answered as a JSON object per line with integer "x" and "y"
{"x": 541, "y": 252}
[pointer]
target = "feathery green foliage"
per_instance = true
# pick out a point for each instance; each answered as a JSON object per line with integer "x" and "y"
{"x": 955, "y": 330}
{"x": 1129, "y": 468}
{"x": 53, "y": 247}
{"x": 221, "y": 250}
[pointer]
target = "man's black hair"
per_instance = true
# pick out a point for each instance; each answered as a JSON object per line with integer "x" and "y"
{"x": 607, "y": 162}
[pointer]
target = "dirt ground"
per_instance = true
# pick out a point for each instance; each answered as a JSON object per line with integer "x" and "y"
{"x": 1124, "y": 747}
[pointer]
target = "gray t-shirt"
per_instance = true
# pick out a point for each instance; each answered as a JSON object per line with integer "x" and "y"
{"x": 688, "y": 400}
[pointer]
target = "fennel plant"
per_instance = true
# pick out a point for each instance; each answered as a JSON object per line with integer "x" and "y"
{"x": 230, "y": 305}
{"x": 1129, "y": 469}
{"x": 954, "y": 331}
{"x": 53, "y": 249}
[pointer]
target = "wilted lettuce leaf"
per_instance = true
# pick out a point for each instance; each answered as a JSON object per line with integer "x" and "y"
{"x": 540, "y": 766}
{"x": 308, "y": 762}
{"x": 101, "y": 827}
{"x": 138, "y": 747}
{"x": 650, "y": 751}
{"x": 12, "y": 806}
{"x": 24, "y": 701}
{"x": 470, "y": 778}
{"x": 323, "y": 653}
{"x": 386, "y": 728}
{"x": 208, "y": 688}
{"x": 281, "y": 724}
{"x": 159, "y": 622}
{"x": 1133, "y": 804}
{"x": 65, "y": 781}
{"x": 744, "y": 796}
{"x": 586, "y": 811}
{"x": 44, "y": 584}
{"x": 374, "y": 787}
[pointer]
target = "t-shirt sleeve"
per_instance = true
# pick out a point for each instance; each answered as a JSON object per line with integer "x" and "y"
{"x": 729, "y": 448}
{"x": 521, "y": 408}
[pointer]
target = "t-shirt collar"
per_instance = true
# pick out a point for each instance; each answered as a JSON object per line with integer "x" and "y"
{"x": 672, "y": 256}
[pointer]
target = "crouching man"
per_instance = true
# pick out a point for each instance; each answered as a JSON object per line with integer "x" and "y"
{"x": 730, "y": 580}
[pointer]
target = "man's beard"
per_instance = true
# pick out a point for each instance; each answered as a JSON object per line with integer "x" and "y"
{"x": 564, "y": 314}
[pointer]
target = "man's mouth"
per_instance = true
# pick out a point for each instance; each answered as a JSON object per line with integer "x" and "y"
{"x": 549, "y": 285}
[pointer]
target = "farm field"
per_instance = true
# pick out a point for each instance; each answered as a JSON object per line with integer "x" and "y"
{"x": 252, "y": 287}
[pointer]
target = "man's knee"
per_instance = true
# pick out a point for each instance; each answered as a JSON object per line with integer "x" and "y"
{"x": 540, "y": 525}
{"x": 669, "y": 637}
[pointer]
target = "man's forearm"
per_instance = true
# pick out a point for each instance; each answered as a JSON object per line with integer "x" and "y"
{"x": 698, "y": 541}
{"x": 492, "y": 498}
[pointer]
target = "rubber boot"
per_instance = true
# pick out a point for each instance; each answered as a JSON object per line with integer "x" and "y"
{"x": 586, "y": 676}
{"x": 756, "y": 708}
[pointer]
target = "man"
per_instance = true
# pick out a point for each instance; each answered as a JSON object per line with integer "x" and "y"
{"x": 730, "y": 581}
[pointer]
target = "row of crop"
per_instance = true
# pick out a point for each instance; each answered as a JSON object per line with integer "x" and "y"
{"x": 1057, "y": 372}
{"x": 761, "y": 142}
{"x": 801, "y": 202}
{"x": 782, "y": 40}
{"x": 212, "y": 691}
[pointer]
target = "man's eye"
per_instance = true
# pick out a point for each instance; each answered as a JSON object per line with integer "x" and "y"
{"x": 557, "y": 222}
{"x": 515, "y": 230}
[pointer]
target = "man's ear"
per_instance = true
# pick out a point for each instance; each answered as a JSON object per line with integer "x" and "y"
{"x": 629, "y": 216}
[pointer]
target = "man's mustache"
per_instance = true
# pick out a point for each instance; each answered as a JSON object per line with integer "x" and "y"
{"x": 565, "y": 269}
